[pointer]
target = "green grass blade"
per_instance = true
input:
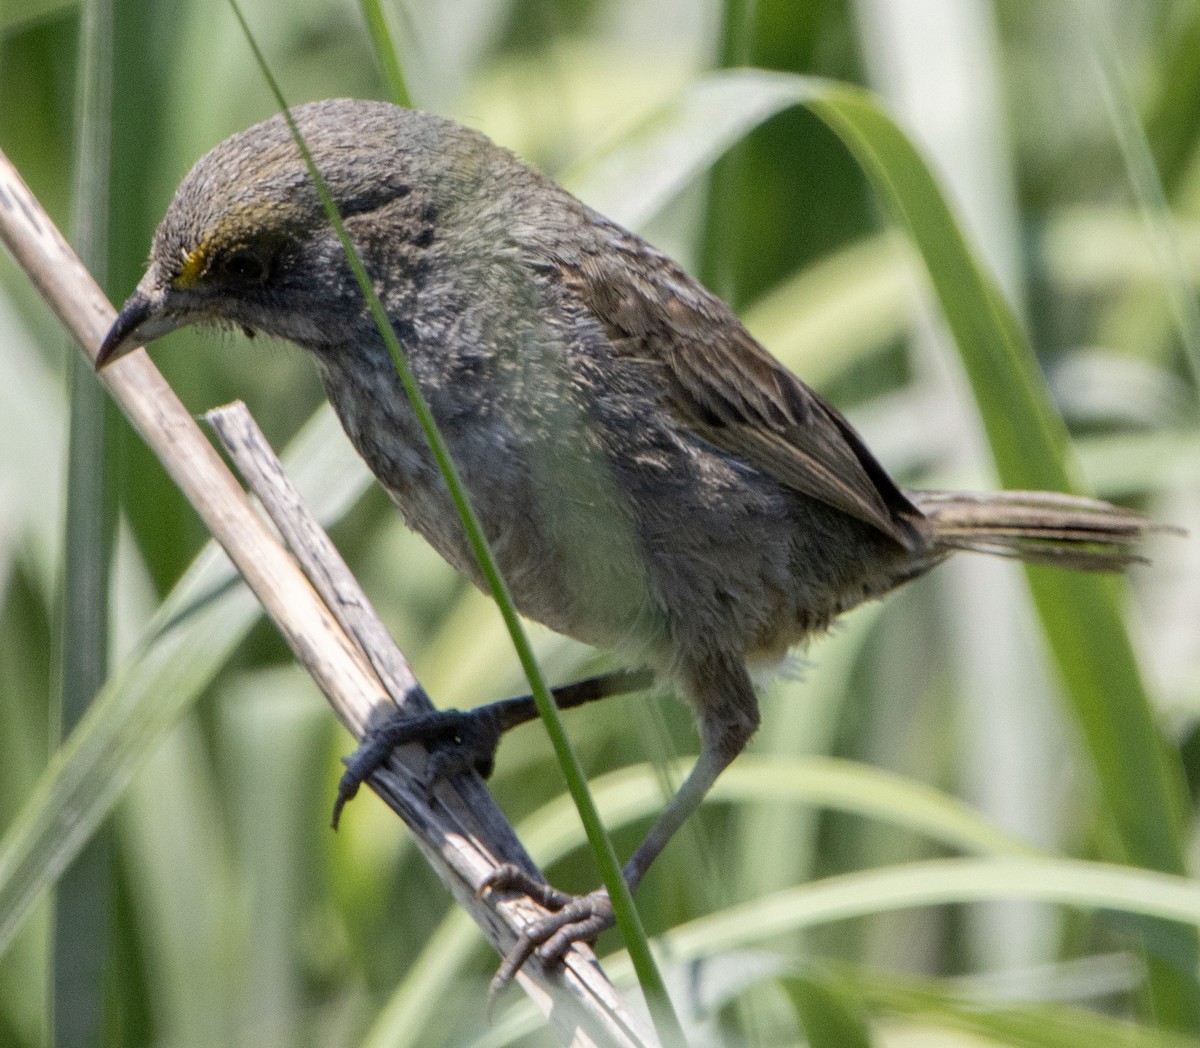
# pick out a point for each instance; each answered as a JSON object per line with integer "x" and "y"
{"x": 631, "y": 794}
{"x": 662, "y": 1012}
{"x": 193, "y": 635}
{"x": 385, "y": 52}
{"x": 831, "y": 1015}
{"x": 823, "y": 782}
{"x": 1134, "y": 771}
{"x": 81, "y": 914}
{"x": 1144, "y": 179}
{"x": 1027, "y": 1024}
{"x": 650, "y": 166}
{"x": 940, "y": 882}
{"x": 1172, "y": 118}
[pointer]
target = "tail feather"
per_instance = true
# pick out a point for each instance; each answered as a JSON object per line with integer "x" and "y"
{"x": 1039, "y": 527}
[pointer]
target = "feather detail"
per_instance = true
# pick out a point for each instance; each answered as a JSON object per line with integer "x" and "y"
{"x": 726, "y": 388}
{"x": 1039, "y": 527}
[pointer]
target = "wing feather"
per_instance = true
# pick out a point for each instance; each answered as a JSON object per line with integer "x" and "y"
{"x": 729, "y": 390}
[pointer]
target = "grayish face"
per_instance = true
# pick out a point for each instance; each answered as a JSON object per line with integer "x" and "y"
{"x": 246, "y": 241}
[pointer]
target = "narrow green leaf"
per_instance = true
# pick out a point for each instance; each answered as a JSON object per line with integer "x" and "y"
{"x": 1172, "y": 117}
{"x": 190, "y": 638}
{"x": 1021, "y": 1024}
{"x": 631, "y": 794}
{"x": 385, "y": 51}
{"x": 81, "y": 920}
{"x": 1144, "y": 177}
{"x": 620, "y": 896}
{"x": 829, "y": 1013}
{"x": 823, "y": 782}
{"x": 940, "y": 882}
{"x": 1135, "y": 772}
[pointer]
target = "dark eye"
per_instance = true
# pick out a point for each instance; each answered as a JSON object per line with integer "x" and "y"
{"x": 245, "y": 265}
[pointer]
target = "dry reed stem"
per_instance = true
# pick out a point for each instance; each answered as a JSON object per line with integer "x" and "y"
{"x": 461, "y": 832}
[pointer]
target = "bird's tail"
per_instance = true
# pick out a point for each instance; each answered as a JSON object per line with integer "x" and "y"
{"x": 1040, "y": 527}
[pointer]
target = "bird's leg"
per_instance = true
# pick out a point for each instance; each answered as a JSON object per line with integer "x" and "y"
{"x": 461, "y": 740}
{"x": 727, "y": 722}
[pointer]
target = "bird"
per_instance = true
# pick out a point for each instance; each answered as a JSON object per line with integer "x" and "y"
{"x": 650, "y": 479}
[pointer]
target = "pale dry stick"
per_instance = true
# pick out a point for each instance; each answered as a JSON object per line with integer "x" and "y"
{"x": 320, "y": 561}
{"x": 315, "y": 553}
{"x": 457, "y": 833}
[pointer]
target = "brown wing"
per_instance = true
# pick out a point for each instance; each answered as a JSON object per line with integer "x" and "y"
{"x": 726, "y": 388}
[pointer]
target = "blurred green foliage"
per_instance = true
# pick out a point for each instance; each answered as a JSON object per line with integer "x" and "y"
{"x": 237, "y": 918}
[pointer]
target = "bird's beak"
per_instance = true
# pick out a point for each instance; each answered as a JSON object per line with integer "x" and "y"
{"x": 142, "y": 319}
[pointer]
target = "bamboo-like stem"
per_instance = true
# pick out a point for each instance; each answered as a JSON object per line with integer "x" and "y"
{"x": 461, "y": 832}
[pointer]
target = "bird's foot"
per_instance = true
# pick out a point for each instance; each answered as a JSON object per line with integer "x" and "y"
{"x": 458, "y": 741}
{"x": 572, "y": 919}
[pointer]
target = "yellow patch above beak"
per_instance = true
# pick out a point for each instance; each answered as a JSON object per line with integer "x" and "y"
{"x": 195, "y": 262}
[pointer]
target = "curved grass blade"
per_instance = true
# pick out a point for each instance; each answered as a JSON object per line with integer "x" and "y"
{"x": 831, "y": 1015}
{"x": 190, "y": 638}
{"x": 1141, "y": 786}
{"x": 826, "y": 782}
{"x": 1031, "y": 1024}
{"x": 1135, "y": 772}
{"x": 385, "y": 51}
{"x": 620, "y": 896}
{"x": 631, "y": 794}
{"x": 1144, "y": 176}
{"x": 941, "y": 882}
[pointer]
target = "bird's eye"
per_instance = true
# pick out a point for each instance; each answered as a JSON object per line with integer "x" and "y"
{"x": 245, "y": 265}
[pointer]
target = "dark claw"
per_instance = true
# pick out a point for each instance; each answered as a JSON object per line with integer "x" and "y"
{"x": 573, "y": 918}
{"x": 457, "y": 742}
{"x": 466, "y": 741}
{"x": 508, "y": 877}
{"x": 581, "y": 920}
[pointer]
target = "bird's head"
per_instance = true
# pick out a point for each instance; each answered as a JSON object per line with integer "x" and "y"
{"x": 246, "y": 241}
